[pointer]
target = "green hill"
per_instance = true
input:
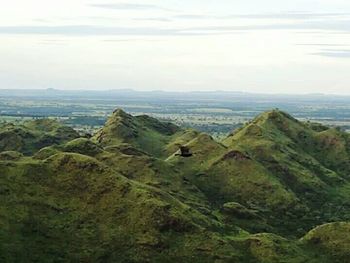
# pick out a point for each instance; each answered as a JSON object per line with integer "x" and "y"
{"x": 279, "y": 167}
{"x": 276, "y": 190}
{"x": 145, "y": 133}
{"x": 31, "y": 136}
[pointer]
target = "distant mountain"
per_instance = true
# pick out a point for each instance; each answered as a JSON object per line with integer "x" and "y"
{"x": 117, "y": 94}
{"x": 275, "y": 190}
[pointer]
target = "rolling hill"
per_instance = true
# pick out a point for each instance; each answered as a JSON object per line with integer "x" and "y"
{"x": 275, "y": 190}
{"x": 31, "y": 136}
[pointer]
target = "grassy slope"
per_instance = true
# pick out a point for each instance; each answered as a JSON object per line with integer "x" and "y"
{"x": 71, "y": 207}
{"x": 112, "y": 199}
{"x": 291, "y": 151}
{"x": 274, "y": 166}
{"x": 34, "y": 135}
{"x": 145, "y": 133}
{"x": 334, "y": 239}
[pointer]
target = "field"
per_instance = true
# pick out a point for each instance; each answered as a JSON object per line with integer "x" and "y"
{"x": 216, "y": 113}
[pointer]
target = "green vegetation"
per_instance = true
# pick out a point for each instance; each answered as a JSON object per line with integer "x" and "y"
{"x": 263, "y": 194}
{"x": 143, "y": 132}
{"x": 31, "y": 136}
{"x": 333, "y": 238}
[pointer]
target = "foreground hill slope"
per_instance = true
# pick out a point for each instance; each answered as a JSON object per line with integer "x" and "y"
{"x": 71, "y": 207}
{"x": 127, "y": 196}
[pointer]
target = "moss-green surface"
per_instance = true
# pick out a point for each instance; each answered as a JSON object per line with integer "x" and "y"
{"x": 31, "y": 136}
{"x": 264, "y": 194}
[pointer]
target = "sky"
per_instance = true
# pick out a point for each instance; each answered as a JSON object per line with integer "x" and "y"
{"x": 270, "y": 46}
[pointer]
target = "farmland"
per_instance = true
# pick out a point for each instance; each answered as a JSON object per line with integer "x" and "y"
{"x": 216, "y": 113}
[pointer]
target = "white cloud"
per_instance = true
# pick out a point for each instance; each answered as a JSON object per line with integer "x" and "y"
{"x": 246, "y": 45}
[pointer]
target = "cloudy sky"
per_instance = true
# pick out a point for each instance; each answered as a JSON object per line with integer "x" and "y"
{"x": 270, "y": 46}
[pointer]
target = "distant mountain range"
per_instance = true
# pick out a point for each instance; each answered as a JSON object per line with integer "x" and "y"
{"x": 275, "y": 190}
{"x": 130, "y": 93}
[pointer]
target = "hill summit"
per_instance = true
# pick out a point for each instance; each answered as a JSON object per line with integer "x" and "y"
{"x": 143, "y": 132}
{"x": 275, "y": 190}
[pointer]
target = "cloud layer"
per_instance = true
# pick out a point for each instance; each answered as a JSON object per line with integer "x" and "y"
{"x": 252, "y": 45}
{"x": 88, "y": 30}
{"x": 128, "y": 6}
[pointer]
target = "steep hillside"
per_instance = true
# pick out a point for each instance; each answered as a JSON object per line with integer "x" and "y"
{"x": 136, "y": 165}
{"x": 281, "y": 129}
{"x": 333, "y": 238}
{"x": 70, "y": 207}
{"x": 143, "y": 132}
{"x": 311, "y": 164}
{"x": 278, "y": 167}
{"x": 276, "y": 190}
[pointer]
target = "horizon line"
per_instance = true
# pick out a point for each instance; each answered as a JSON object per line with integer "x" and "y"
{"x": 173, "y": 91}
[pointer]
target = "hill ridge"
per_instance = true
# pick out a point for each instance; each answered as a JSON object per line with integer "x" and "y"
{"x": 263, "y": 194}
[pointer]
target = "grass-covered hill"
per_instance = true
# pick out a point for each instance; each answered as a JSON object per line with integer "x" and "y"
{"x": 31, "y": 136}
{"x": 146, "y": 133}
{"x": 292, "y": 175}
{"x": 276, "y": 190}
